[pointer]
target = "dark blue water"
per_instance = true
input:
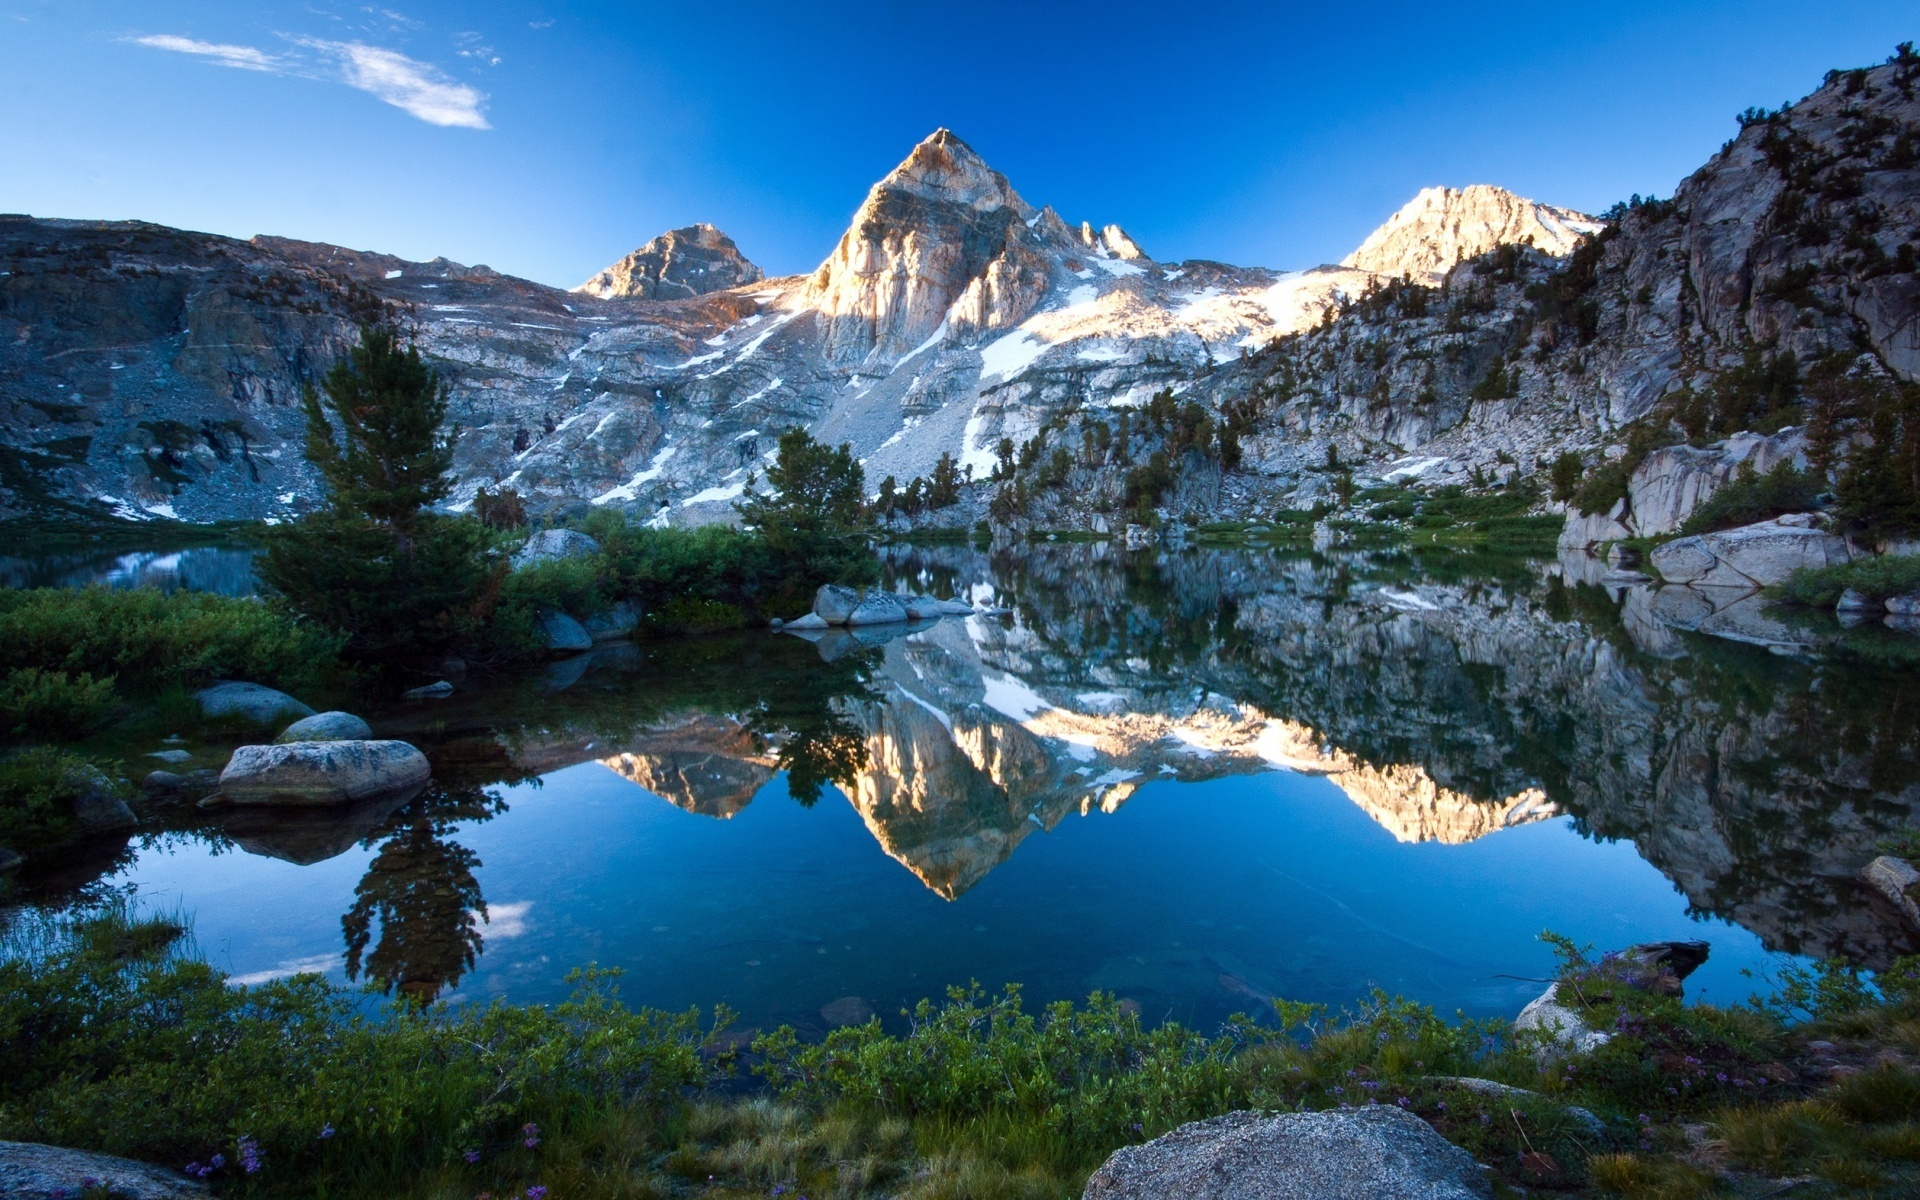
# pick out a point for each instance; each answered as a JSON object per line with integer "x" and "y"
{"x": 1196, "y": 781}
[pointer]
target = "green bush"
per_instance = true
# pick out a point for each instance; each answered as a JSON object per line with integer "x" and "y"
{"x": 149, "y": 641}
{"x": 1750, "y": 497}
{"x": 33, "y": 701}
{"x": 37, "y": 790}
{"x": 1876, "y": 578}
{"x": 112, "y": 1042}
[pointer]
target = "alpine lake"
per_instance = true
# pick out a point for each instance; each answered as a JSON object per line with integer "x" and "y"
{"x": 1195, "y": 778}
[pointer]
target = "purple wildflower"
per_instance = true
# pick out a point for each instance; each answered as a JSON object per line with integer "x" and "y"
{"x": 250, "y": 1158}
{"x": 326, "y": 1131}
{"x": 536, "y": 1192}
{"x": 218, "y": 1161}
{"x": 472, "y": 1156}
{"x": 533, "y": 1134}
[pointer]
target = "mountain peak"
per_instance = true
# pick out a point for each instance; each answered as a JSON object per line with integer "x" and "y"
{"x": 678, "y": 265}
{"x": 1443, "y": 226}
{"x": 943, "y": 167}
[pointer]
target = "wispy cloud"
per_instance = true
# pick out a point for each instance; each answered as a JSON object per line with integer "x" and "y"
{"x": 246, "y": 58}
{"x": 412, "y": 86}
{"x": 419, "y": 89}
{"x": 316, "y": 964}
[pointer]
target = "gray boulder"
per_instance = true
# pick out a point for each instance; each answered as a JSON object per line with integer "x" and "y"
{"x": 171, "y": 756}
{"x": 30, "y": 1171}
{"x": 812, "y": 620}
{"x": 1752, "y": 556}
{"x": 954, "y": 608}
{"x": 552, "y": 545}
{"x": 261, "y": 705}
{"x": 878, "y": 608}
{"x": 10, "y": 861}
{"x": 614, "y": 623}
{"x": 326, "y": 727}
{"x": 1556, "y": 1028}
{"x": 1377, "y": 1151}
{"x": 97, "y": 804}
{"x": 561, "y": 634}
{"x": 1670, "y": 483}
{"x": 305, "y": 773}
{"x": 1853, "y": 602}
{"x": 439, "y": 690}
{"x": 1896, "y": 880}
{"x": 834, "y": 603}
{"x": 1904, "y": 606}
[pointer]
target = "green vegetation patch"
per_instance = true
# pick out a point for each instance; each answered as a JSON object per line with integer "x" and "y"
{"x": 1876, "y": 578}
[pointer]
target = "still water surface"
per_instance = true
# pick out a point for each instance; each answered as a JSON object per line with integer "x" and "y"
{"x": 1196, "y": 780}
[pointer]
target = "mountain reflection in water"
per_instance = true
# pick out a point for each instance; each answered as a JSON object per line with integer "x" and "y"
{"x": 1449, "y": 697}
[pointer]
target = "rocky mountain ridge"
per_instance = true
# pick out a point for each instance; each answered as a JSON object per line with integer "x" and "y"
{"x": 155, "y": 372}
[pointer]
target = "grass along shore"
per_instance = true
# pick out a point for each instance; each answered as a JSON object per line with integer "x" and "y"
{"x": 115, "y": 1037}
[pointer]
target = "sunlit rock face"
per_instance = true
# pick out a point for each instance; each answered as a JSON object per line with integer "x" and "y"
{"x": 942, "y": 239}
{"x": 678, "y": 265}
{"x": 1444, "y": 226}
{"x": 704, "y": 763}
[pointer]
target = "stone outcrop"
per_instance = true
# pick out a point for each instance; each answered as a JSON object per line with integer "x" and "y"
{"x": 30, "y": 1171}
{"x": 678, "y": 265}
{"x": 318, "y": 773}
{"x": 1443, "y": 226}
{"x": 1751, "y": 556}
{"x": 1380, "y": 1150}
{"x": 1895, "y": 880}
{"x": 554, "y": 545}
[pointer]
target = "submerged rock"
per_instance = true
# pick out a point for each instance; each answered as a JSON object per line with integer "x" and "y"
{"x": 553, "y": 545}
{"x": 1378, "y": 1151}
{"x": 812, "y": 620}
{"x": 439, "y": 690}
{"x": 302, "y": 773}
{"x": 165, "y": 787}
{"x": 30, "y": 1171}
{"x": 847, "y": 1010}
{"x": 261, "y": 705}
{"x": 326, "y": 727}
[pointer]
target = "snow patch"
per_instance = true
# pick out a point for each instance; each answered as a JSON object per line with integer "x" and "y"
{"x": 629, "y": 489}
{"x": 1411, "y": 468}
{"x": 715, "y": 494}
{"x": 1012, "y": 354}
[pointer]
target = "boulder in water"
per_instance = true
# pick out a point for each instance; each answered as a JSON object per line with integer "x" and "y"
{"x": 261, "y": 705}
{"x": 561, "y": 634}
{"x": 878, "y": 608}
{"x": 834, "y": 603}
{"x": 305, "y": 773}
{"x": 327, "y": 727}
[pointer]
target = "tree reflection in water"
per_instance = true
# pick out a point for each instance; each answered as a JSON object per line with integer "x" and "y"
{"x": 421, "y": 887}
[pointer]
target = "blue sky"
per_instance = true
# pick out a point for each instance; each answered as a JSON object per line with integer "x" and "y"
{"x": 547, "y": 138}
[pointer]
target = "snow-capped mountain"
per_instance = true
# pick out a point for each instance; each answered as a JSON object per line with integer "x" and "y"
{"x": 154, "y": 371}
